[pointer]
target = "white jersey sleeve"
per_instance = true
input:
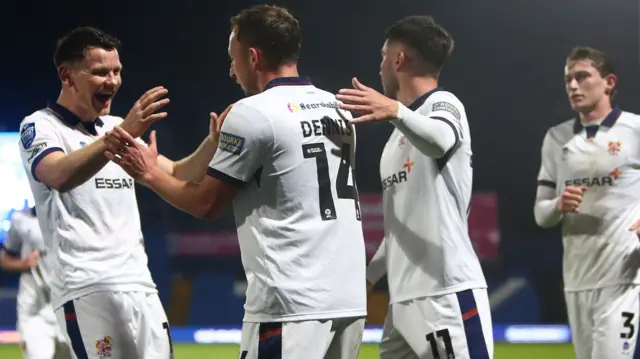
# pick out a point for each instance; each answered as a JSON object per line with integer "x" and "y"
{"x": 547, "y": 176}
{"x": 436, "y": 130}
{"x": 245, "y": 138}
{"x": 447, "y": 110}
{"x": 546, "y": 197}
{"x": 38, "y": 138}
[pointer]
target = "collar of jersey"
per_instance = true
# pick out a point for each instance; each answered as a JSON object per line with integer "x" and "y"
{"x": 608, "y": 121}
{"x": 71, "y": 119}
{"x": 420, "y": 100}
{"x": 288, "y": 81}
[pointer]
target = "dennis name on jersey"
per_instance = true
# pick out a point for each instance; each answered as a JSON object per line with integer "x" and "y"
{"x": 325, "y": 126}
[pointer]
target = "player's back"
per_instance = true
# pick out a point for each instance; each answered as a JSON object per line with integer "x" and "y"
{"x": 298, "y": 216}
{"x": 426, "y": 203}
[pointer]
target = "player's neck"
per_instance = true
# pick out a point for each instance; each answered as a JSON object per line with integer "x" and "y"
{"x": 414, "y": 87}
{"x": 284, "y": 71}
{"x": 598, "y": 113}
{"x": 84, "y": 114}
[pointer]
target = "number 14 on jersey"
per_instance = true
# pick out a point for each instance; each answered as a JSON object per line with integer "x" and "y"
{"x": 343, "y": 189}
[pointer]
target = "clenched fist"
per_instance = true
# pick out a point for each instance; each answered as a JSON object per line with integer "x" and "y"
{"x": 571, "y": 199}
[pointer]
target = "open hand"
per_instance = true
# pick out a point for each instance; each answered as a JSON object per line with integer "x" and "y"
{"x": 367, "y": 102}
{"x": 142, "y": 114}
{"x": 216, "y": 124}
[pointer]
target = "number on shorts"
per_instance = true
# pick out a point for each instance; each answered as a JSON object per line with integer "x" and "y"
{"x": 443, "y": 334}
{"x": 165, "y": 325}
{"x": 628, "y": 318}
{"x": 244, "y": 354}
{"x": 327, "y": 206}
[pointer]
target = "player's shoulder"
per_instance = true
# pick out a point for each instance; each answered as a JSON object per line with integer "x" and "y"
{"x": 42, "y": 115}
{"x": 631, "y": 118}
{"x": 252, "y": 109}
{"x": 443, "y": 95}
{"x": 37, "y": 123}
{"x": 442, "y": 100}
{"x": 561, "y": 133}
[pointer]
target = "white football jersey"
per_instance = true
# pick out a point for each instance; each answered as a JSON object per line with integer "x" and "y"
{"x": 599, "y": 249}
{"x": 23, "y": 238}
{"x": 298, "y": 216}
{"x": 92, "y": 231}
{"x": 425, "y": 205}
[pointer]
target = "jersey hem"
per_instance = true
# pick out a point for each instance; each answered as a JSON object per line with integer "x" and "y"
{"x": 304, "y": 316}
{"x": 585, "y": 288}
{"x": 445, "y": 291}
{"x": 56, "y": 304}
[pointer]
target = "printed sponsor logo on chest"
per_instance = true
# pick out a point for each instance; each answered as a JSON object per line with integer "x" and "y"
{"x": 398, "y": 177}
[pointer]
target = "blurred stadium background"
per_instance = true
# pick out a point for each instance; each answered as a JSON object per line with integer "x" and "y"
{"x": 506, "y": 68}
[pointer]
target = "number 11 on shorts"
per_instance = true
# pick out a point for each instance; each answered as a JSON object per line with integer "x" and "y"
{"x": 445, "y": 337}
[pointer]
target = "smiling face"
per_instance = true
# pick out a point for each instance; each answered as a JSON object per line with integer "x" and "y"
{"x": 585, "y": 85}
{"x": 94, "y": 81}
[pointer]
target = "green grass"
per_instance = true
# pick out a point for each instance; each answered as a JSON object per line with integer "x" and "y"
{"x": 196, "y": 351}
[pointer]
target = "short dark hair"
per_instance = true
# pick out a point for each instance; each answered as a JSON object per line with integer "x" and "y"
{"x": 271, "y": 29}
{"x": 73, "y": 46}
{"x": 601, "y": 61}
{"x": 431, "y": 42}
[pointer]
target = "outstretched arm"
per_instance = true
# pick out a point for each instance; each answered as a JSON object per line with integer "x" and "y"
{"x": 204, "y": 200}
{"x": 193, "y": 168}
{"x": 432, "y": 135}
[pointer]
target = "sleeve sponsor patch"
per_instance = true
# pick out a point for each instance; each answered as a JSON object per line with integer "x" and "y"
{"x": 33, "y": 152}
{"x": 231, "y": 143}
{"x": 446, "y": 106}
{"x": 28, "y": 134}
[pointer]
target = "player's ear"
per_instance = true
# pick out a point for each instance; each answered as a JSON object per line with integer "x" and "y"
{"x": 401, "y": 60}
{"x": 611, "y": 80}
{"x": 255, "y": 58}
{"x": 64, "y": 73}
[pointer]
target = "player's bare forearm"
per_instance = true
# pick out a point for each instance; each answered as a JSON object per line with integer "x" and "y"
{"x": 194, "y": 167}
{"x": 183, "y": 195}
{"x": 10, "y": 263}
{"x": 66, "y": 172}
